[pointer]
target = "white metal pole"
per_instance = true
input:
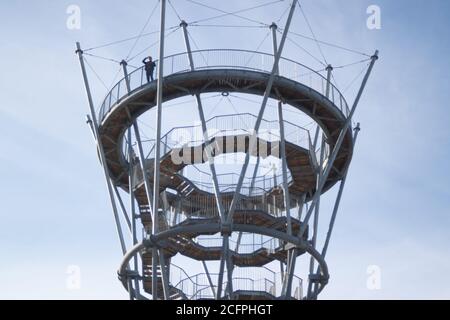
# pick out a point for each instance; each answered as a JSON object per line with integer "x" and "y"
{"x": 221, "y": 268}
{"x": 158, "y": 138}
{"x": 338, "y": 144}
{"x": 225, "y": 256}
{"x": 274, "y": 28}
{"x": 159, "y": 116}
{"x": 287, "y": 289}
{"x": 230, "y": 269}
{"x": 329, "y": 69}
{"x": 147, "y": 185}
{"x": 211, "y": 284}
{"x": 335, "y": 210}
{"x": 287, "y": 201}
{"x": 204, "y": 127}
{"x": 253, "y": 140}
{"x": 164, "y": 274}
{"x": 144, "y": 172}
{"x": 336, "y": 207}
{"x": 100, "y": 148}
{"x": 316, "y": 216}
{"x": 139, "y": 145}
{"x": 338, "y": 200}
{"x": 187, "y": 43}
{"x": 252, "y": 186}
{"x": 122, "y": 206}
{"x": 132, "y": 205}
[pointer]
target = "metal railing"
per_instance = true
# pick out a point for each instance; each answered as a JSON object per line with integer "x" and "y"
{"x": 227, "y": 59}
{"x": 242, "y": 123}
{"x": 253, "y": 279}
{"x": 261, "y": 186}
{"x": 245, "y": 247}
{"x": 201, "y": 207}
{"x": 197, "y": 286}
{"x": 222, "y": 126}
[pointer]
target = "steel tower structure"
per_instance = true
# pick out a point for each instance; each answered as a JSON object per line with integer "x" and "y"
{"x": 242, "y": 225}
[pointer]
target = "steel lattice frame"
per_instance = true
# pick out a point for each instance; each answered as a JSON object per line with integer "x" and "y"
{"x": 131, "y": 172}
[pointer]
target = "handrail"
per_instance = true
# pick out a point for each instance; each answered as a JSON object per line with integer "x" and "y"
{"x": 201, "y": 287}
{"x": 261, "y": 245}
{"x": 198, "y": 295}
{"x": 174, "y": 66}
{"x": 262, "y": 179}
{"x": 197, "y": 286}
{"x": 165, "y": 137}
{"x": 189, "y": 278}
{"x": 233, "y": 115}
{"x": 185, "y": 273}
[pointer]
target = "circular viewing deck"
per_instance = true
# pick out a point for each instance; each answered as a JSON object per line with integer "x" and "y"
{"x": 224, "y": 70}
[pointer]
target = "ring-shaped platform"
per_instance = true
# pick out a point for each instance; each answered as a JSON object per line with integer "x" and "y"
{"x": 318, "y": 107}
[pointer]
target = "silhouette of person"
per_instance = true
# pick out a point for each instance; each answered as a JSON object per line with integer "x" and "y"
{"x": 149, "y": 68}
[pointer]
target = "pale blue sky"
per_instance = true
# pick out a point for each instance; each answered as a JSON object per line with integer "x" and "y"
{"x": 53, "y": 203}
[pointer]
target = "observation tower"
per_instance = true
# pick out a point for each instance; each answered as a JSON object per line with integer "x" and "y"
{"x": 237, "y": 233}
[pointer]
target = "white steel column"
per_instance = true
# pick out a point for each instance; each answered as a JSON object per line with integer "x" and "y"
{"x": 204, "y": 127}
{"x": 274, "y": 28}
{"x": 287, "y": 284}
{"x": 335, "y": 211}
{"x": 252, "y": 186}
{"x": 211, "y": 284}
{"x": 133, "y": 206}
{"x": 161, "y": 259}
{"x": 338, "y": 144}
{"x": 329, "y": 69}
{"x": 225, "y": 258}
{"x": 100, "y": 148}
{"x": 338, "y": 200}
{"x": 156, "y": 173}
{"x": 316, "y": 215}
{"x": 253, "y": 140}
{"x": 287, "y": 200}
{"x": 142, "y": 157}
